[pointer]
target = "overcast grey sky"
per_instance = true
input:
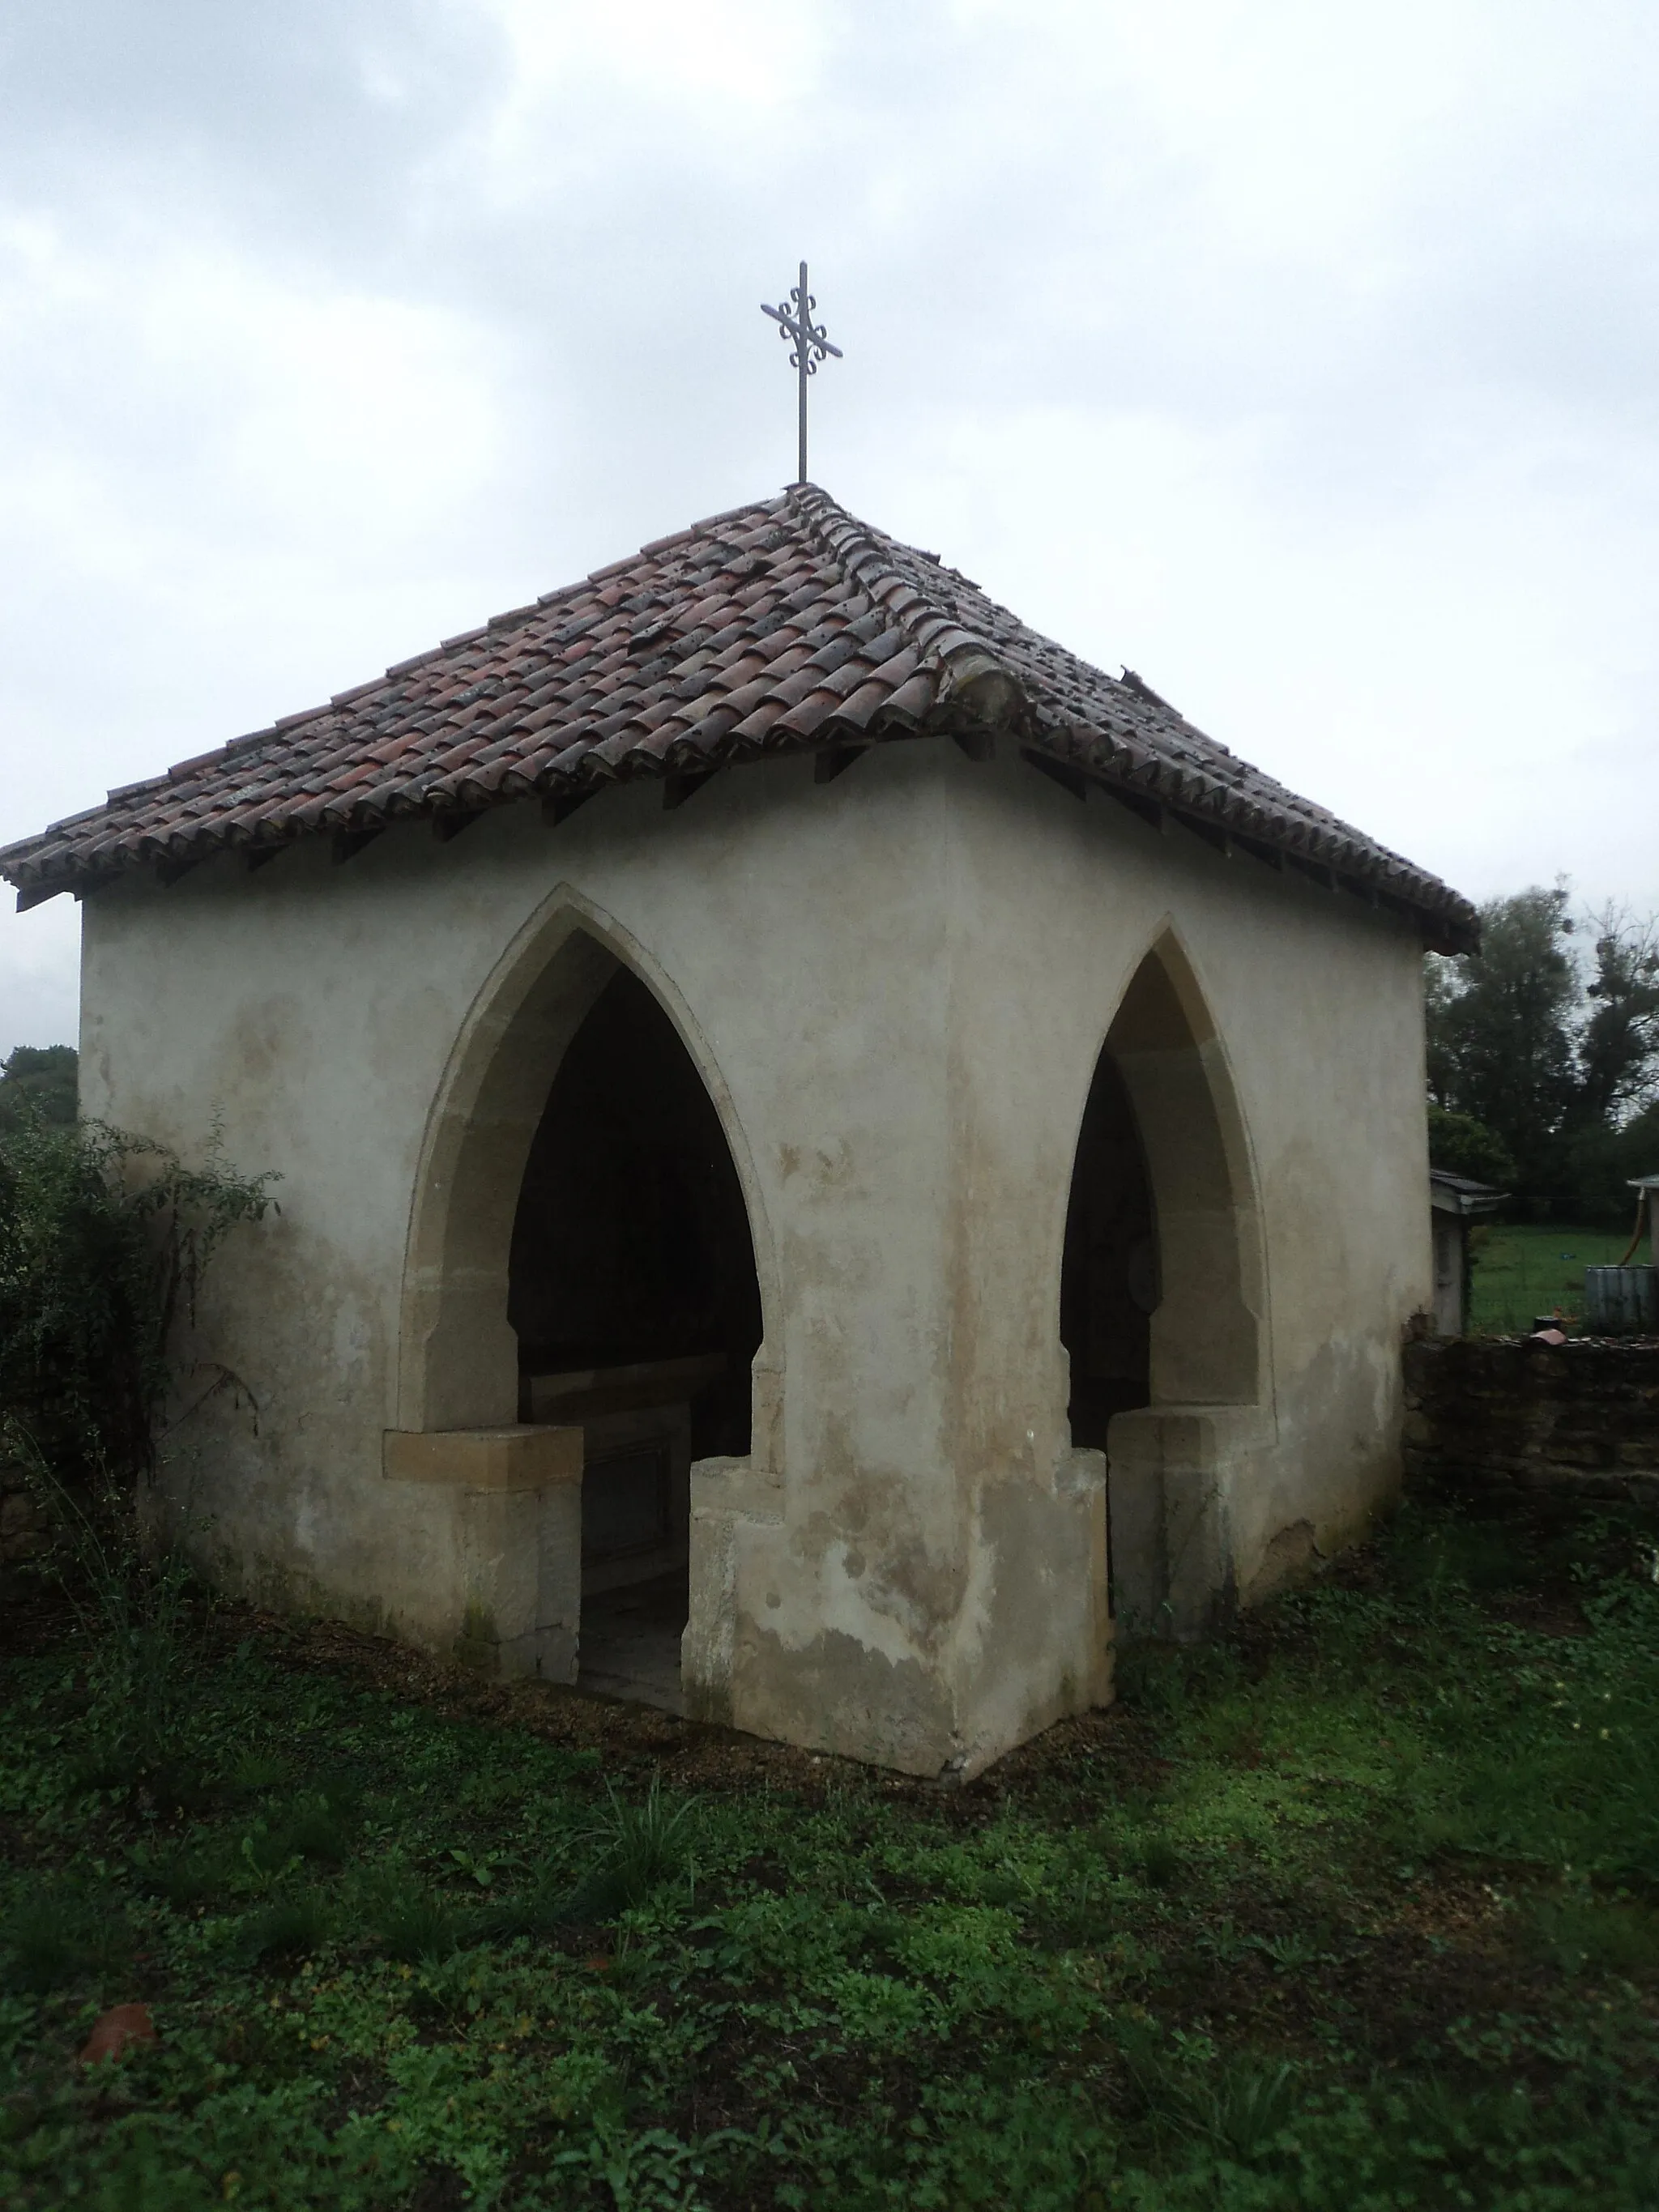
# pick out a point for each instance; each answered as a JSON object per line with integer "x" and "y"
{"x": 1302, "y": 357}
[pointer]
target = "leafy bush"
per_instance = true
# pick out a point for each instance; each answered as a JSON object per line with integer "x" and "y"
{"x": 1460, "y": 1145}
{"x": 104, "y": 1238}
{"x": 38, "y": 1083}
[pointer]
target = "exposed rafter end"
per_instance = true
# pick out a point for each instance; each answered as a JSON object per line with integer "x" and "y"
{"x": 678, "y": 788}
{"x": 1068, "y": 779}
{"x": 1149, "y": 810}
{"x": 1437, "y": 935}
{"x": 835, "y": 760}
{"x": 446, "y": 826}
{"x": 978, "y": 745}
{"x": 563, "y": 804}
{"x": 261, "y": 856}
{"x": 37, "y": 895}
{"x": 1211, "y": 832}
{"x": 1446, "y": 942}
{"x": 1259, "y": 849}
{"x": 169, "y": 872}
{"x": 1314, "y": 870}
{"x": 348, "y": 843}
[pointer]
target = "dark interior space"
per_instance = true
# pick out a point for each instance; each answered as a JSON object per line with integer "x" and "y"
{"x": 631, "y": 1246}
{"x": 633, "y": 1291}
{"x": 1108, "y": 1285}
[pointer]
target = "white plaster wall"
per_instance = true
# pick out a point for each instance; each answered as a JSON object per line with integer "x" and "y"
{"x": 1318, "y": 1005}
{"x": 897, "y": 985}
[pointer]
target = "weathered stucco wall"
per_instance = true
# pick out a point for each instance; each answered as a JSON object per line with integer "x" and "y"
{"x": 897, "y": 985}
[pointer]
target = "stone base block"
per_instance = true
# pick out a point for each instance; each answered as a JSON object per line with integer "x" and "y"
{"x": 510, "y": 1555}
{"x": 523, "y": 1457}
{"x": 726, "y": 1495}
{"x": 1171, "y": 1471}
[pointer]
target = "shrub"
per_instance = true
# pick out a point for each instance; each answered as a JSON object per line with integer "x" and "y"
{"x": 39, "y": 1082}
{"x": 1460, "y": 1145}
{"x": 104, "y": 1238}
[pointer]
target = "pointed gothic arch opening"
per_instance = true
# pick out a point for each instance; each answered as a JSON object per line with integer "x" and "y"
{"x": 1109, "y": 1279}
{"x": 581, "y": 1257}
{"x": 632, "y": 1293}
{"x": 1161, "y": 1285}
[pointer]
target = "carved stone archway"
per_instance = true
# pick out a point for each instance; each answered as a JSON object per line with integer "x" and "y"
{"x": 1173, "y": 1459}
{"x": 513, "y": 1486}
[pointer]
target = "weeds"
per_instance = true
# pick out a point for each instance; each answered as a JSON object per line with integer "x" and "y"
{"x": 182, "y": 1878}
{"x": 1579, "y": 1933}
{"x": 253, "y": 1774}
{"x": 1238, "y": 2107}
{"x": 137, "y": 1618}
{"x": 418, "y": 1928}
{"x": 1295, "y": 1953}
{"x": 638, "y": 1848}
{"x": 648, "y": 2171}
{"x": 57, "y": 1936}
{"x": 1350, "y": 1909}
{"x": 319, "y": 1829}
{"x": 1157, "y": 1858}
{"x": 287, "y": 1928}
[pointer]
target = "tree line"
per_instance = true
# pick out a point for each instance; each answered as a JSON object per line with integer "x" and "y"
{"x": 39, "y": 1082}
{"x": 1543, "y": 1049}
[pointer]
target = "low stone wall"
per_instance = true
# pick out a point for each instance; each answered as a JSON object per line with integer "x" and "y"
{"x": 1500, "y": 1412}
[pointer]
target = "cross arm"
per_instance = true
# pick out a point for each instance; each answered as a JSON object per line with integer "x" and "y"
{"x": 793, "y": 330}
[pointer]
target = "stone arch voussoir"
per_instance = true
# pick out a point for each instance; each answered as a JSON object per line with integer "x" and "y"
{"x": 458, "y": 1355}
{"x": 1207, "y": 1334}
{"x": 1174, "y": 1465}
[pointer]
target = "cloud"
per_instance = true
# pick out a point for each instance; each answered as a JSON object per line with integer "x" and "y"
{"x": 1301, "y": 356}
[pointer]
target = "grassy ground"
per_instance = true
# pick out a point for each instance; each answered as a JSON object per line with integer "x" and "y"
{"x": 1524, "y": 1269}
{"x": 1359, "y": 1908}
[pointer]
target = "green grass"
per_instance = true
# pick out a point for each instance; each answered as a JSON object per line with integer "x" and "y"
{"x": 1524, "y": 1269}
{"x": 1358, "y": 1907}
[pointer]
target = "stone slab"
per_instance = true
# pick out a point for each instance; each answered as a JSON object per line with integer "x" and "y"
{"x": 520, "y": 1458}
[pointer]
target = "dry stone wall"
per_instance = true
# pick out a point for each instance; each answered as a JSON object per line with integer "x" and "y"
{"x": 1496, "y": 1412}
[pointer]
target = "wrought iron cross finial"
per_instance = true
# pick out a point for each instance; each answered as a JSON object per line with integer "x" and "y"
{"x": 794, "y": 317}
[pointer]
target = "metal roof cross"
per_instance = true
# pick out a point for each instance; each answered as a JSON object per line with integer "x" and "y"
{"x": 794, "y": 317}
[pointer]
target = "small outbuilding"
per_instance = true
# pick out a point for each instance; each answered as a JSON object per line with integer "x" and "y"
{"x": 1647, "y": 1200}
{"x": 1455, "y": 1203}
{"x": 833, "y": 1153}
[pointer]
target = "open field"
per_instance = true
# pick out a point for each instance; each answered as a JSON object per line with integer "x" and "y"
{"x": 1526, "y": 1268}
{"x": 1357, "y": 1908}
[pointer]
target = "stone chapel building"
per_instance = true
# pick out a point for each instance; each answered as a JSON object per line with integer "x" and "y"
{"x": 831, "y": 1152}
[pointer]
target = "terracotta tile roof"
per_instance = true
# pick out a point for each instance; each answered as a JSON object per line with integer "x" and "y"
{"x": 786, "y": 626}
